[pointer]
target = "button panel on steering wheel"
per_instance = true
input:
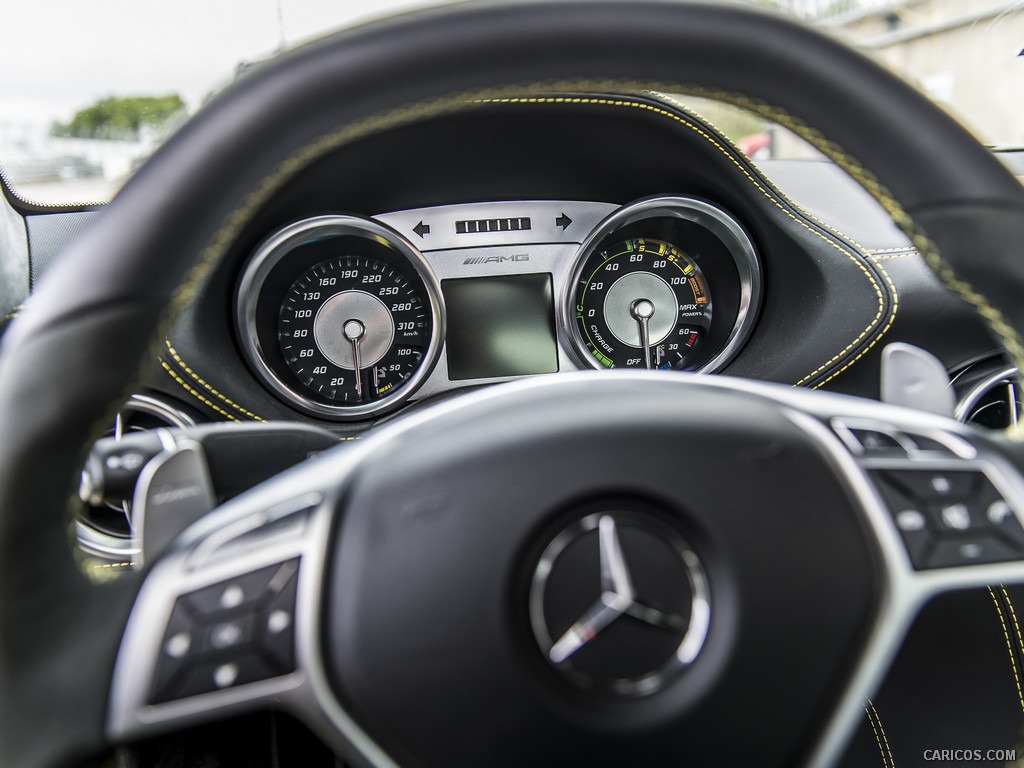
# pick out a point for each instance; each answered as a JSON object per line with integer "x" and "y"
{"x": 945, "y": 506}
{"x": 235, "y": 632}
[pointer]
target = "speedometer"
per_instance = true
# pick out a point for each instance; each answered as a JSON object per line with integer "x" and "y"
{"x": 666, "y": 282}
{"x": 340, "y": 316}
{"x": 354, "y": 328}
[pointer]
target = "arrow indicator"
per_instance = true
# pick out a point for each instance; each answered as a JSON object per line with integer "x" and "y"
{"x": 563, "y": 221}
{"x": 421, "y": 229}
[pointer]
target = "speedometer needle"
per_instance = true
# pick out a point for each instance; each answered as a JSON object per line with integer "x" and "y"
{"x": 354, "y": 332}
{"x": 642, "y": 311}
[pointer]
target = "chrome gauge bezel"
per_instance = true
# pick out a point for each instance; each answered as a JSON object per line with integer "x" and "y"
{"x": 276, "y": 248}
{"x": 691, "y": 209}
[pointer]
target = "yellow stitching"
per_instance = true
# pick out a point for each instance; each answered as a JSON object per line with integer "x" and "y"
{"x": 878, "y": 738}
{"x": 219, "y": 243}
{"x": 1009, "y": 647}
{"x": 114, "y": 565}
{"x": 902, "y": 250}
{"x": 878, "y": 719}
{"x": 206, "y": 386}
{"x": 890, "y": 763}
{"x": 407, "y": 114}
{"x": 766, "y": 193}
{"x": 1013, "y": 615}
{"x": 177, "y": 378}
{"x": 1008, "y": 335}
{"x": 888, "y": 325}
{"x": 787, "y": 198}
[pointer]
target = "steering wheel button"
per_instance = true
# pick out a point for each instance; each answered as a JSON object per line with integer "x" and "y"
{"x": 229, "y": 635}
{"x": 225, "y": 675}
{"x": 878, "y": 443}
{"x": 225, "y": 635}
{"x": 232, "y": 597}
{"x": 278, "y": 621}
{"x": 177, "y": 646}
{"x": 952, "y": 552}
{"x": 999, "y": 512}
{"x": 956, "y": 517}
{"x": 227, "y": 596}
{"x": 990, "y": 509}
{"x": 910, "y": 520}
{"x": 178, "y": 652}
{"x": 229, "y": 673}
{"x": 971, "y": 551}
{"x": 933, "y": 485}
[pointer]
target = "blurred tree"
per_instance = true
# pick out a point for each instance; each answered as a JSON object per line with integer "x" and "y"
{"x": 120, "y": 117}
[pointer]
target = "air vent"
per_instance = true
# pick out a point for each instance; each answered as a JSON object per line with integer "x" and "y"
{"x": 989, "y": 395}
{"x": 104, "y": 531}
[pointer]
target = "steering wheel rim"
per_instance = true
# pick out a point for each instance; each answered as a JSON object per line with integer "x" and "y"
{"x": 158, "y": 240}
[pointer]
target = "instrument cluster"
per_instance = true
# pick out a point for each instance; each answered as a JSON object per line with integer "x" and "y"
{"x": 346, "y": 317}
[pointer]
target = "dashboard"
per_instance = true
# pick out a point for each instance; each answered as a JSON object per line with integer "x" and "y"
{"x": 535, "y": 238}
{"x": 490, "y": 228}
{"x": 346, "y": 317}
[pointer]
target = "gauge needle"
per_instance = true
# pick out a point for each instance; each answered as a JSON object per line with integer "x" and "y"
{"x": 354, "y": 331}
{"x": 642, "y": 311}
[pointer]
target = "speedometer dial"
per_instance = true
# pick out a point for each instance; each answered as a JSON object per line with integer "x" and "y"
{"x": 642, "y": 303}
{"x": 353, "y": 329}
{"x": 663, "y": 283}
{"x": 340, "y": 316}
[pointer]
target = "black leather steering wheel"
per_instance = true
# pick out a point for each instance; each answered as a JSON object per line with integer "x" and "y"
{"x": 418, "y": 599}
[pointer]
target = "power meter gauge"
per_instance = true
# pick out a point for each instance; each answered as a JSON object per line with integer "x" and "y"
{"x": 642, "y": 303}
{"x": 667, "y": 283}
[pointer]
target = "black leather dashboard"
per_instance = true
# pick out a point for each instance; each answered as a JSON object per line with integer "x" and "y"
{"x": 839, "y": 279}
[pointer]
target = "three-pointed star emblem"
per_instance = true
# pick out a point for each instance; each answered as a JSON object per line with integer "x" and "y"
{"x": 618, "y": 598}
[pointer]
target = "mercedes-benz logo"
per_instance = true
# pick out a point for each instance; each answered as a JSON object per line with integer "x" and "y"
{"x": 619, "y": 602}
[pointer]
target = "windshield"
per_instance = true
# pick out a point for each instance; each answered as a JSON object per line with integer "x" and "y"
{"x": 91, "y": 89}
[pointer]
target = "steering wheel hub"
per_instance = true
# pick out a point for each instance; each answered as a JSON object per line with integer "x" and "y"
{"x": 600, "y": 560}
{"x": 619, "y": 603}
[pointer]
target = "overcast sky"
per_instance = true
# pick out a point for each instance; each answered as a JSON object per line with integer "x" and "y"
{"x": 58, "y": 56}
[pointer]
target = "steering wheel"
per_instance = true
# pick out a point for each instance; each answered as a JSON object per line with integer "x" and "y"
{"x": 500, "y": 579}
